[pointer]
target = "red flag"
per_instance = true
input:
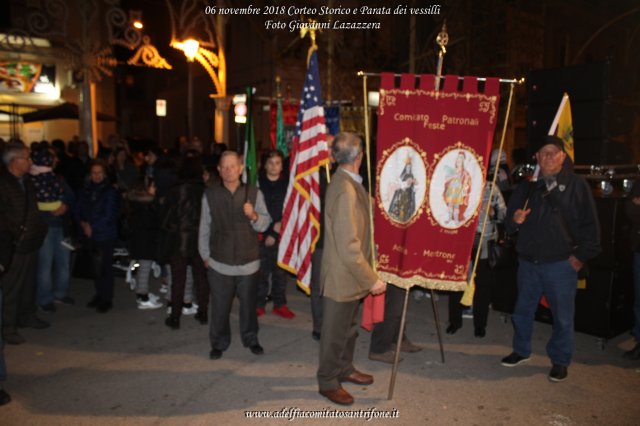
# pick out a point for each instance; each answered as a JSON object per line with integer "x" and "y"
{"x": 301, "y": 216}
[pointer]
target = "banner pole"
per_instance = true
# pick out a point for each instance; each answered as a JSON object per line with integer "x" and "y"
{"x": 467, "y": 297}
{"x": 396, "y": 358}
{"x": 518, "y": 81}
{"x": 368, "y": 149}
{"x": 442, "y": 40}
{"x": 436, "y": 318}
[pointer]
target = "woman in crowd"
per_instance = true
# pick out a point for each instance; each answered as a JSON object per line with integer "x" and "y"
{"x": 98, "y": 210}
{"x": 123, "y": 169}
{"x": 180, "y": 219}
{"x": 143, "y": 221}
{"x": 485, "y": 277}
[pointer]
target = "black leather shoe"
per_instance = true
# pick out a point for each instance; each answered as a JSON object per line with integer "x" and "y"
{"x": 104, "y": 307}
{"x": 452, "y": 329}
{"x": 215, "y": 354}
{"x": 5, "y": 398}
{"x": 201, "y": 317}
{"x": 315, "y": 335}
{"x": 172, "y": 322}
{"x": 14, "y": 339}
{"x": 256, "y": 349}
{"x": 34, "y": 322}
{"x": 93, "y": 303}
{"x": 480, "y": 332}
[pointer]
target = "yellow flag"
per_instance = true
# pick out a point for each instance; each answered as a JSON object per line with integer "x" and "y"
{"x": 562, "y": 126}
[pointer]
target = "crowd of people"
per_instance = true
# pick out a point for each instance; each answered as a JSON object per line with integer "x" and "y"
{"x": 213, "y": 238}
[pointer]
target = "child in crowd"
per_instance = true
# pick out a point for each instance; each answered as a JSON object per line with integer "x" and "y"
{"x": 273, "y": 184}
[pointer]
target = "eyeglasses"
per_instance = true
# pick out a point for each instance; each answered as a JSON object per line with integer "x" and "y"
{"x": 549, "y": 154}
{"x": 23, "y": 158}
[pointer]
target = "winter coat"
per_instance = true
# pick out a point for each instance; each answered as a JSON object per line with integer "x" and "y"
{"x": 99, "y": 205}
{"x": 562, "y": 222}
{"x": 180, "y": 217}
{"x": 142, "y": 217}
{"x": 13, "y": 201}
{"x": 633, "y": 213}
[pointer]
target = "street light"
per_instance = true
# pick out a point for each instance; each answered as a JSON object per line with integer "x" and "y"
{"x": 190, "y": 48}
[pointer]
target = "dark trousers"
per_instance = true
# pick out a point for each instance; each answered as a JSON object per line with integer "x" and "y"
{"x": 223, "y": 289}
{"x": 19, "y": 290}
{"x": 279, "y": 278}
{"x": 337, "y": 342}
{"x": 3, "y": 365}
{"x": 385, "y": 334}
{"x": 104, "y": 282}
{"x": 485, "y": 280}
{"x": 316, "y": 290}
{"x": 178, "y": 279}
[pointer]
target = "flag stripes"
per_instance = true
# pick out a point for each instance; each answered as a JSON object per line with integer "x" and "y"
{"x": 300, "y": 228}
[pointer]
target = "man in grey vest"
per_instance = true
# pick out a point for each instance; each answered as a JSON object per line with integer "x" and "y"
{"x": 232, "y": 216}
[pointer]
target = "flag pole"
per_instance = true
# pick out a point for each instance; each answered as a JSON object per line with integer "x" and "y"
{"x": 367, "y": 139}
{"x": 556, "y": 119}
{"x": 467, "y": 297}
{"x": 442, "y": 39}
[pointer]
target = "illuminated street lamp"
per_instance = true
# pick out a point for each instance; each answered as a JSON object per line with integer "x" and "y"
{"x": 190, "y": 48}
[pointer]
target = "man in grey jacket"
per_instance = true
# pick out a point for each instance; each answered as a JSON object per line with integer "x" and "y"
{"x": 232, "y": 215}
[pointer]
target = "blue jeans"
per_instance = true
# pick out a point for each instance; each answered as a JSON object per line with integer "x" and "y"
{"x": 636, "y": 297}
{"x": 53, "y": 267}
{"x": 557, "y": 281}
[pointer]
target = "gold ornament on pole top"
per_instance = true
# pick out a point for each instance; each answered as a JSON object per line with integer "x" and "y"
{"x": 442, "y": 40}
{"x": 310, "y": 29}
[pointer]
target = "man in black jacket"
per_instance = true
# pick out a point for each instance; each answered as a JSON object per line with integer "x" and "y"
{"x": 558, "y": 231}
{"x": 19, "y": 215}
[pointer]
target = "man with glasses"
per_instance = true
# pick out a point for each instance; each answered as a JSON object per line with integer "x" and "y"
{"x": 558, "y": 231}
{"x": 20, "y": 217}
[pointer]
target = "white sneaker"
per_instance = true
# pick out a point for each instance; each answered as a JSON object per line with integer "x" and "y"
{"x": 156, "y": 269}
{"x": 149, "y": 304}
{"x": 164, "y": 288}
{"x": 153, "y": 297}
{"x": 190, "y": 311}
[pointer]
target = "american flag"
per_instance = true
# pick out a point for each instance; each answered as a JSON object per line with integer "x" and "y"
{"x": 301, "y": 216}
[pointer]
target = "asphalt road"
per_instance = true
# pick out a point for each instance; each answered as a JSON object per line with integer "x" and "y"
{"x": 127, "y": 367}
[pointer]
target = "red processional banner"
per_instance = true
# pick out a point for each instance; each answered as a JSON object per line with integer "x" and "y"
{"x": 433, "y": 148}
